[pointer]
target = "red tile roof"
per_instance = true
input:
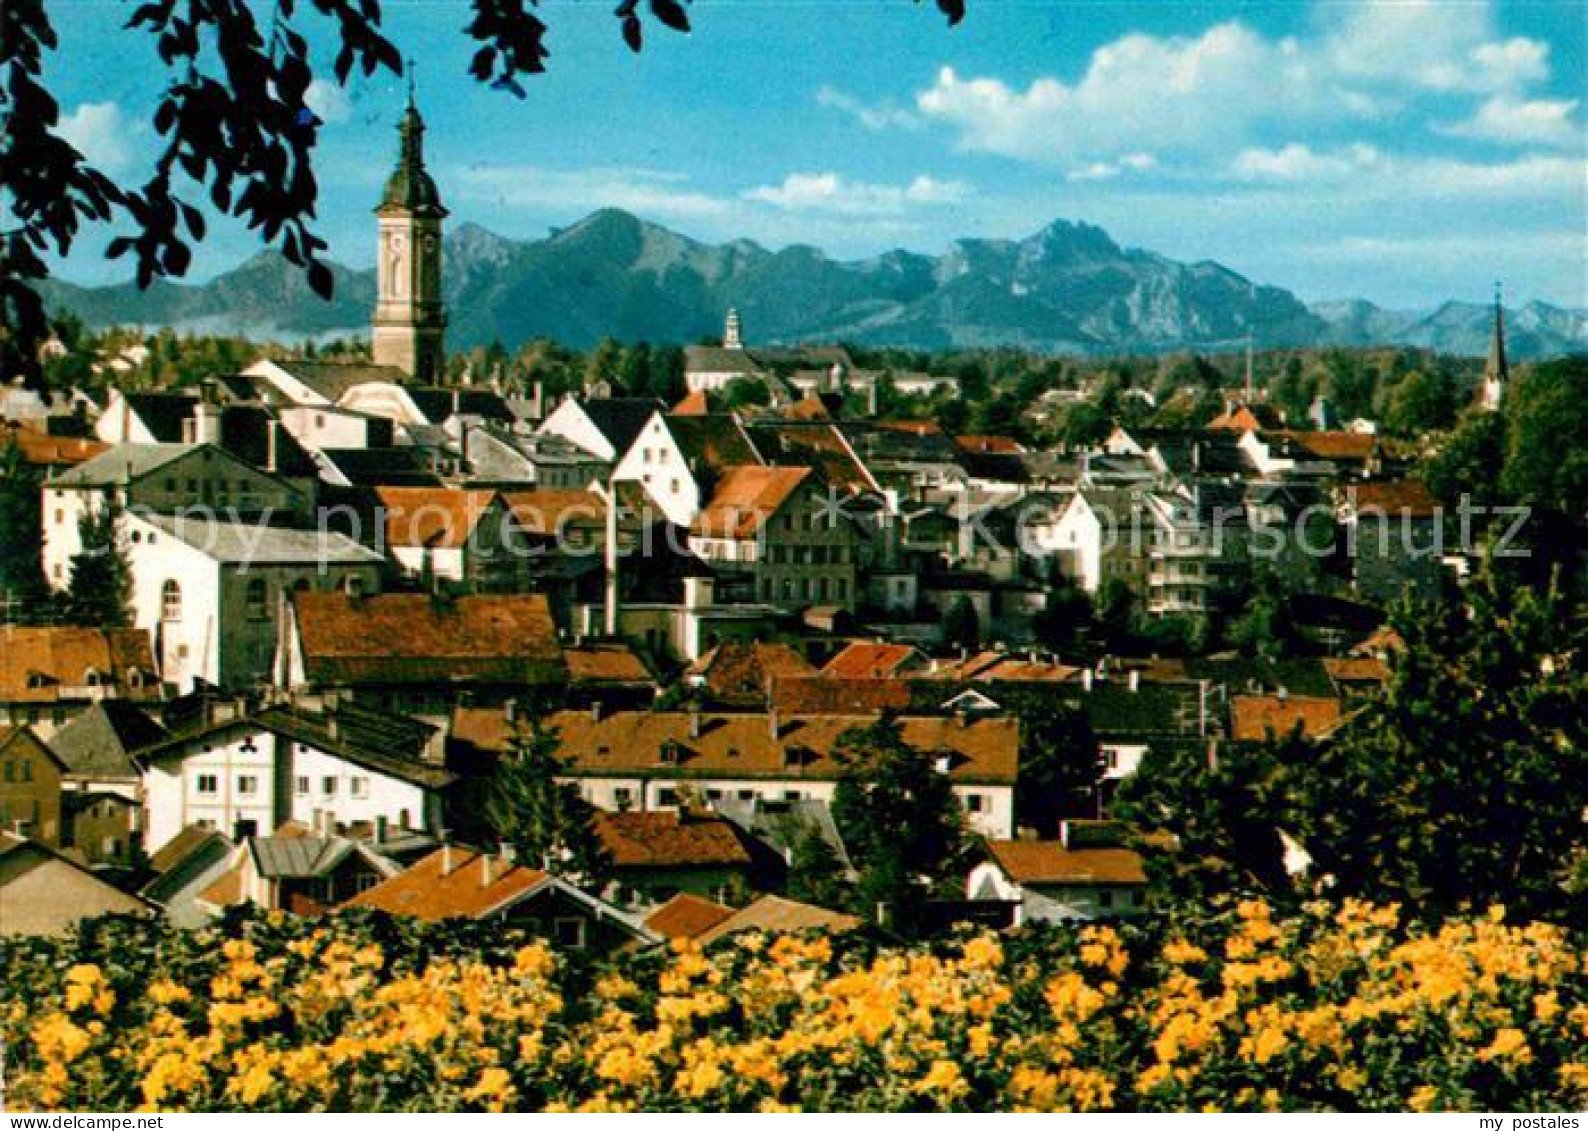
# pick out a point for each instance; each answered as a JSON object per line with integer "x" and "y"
{"x": 990, "y": 445}
{"x": 826, "y": 695}
{"x": 606, "y": 663}
{"x": 746, "y": 498}
{"x": 1049, "y": 862}
{"x": 43, "y": 450}
{"x": 549, "y": 510}
{"x": 453, "y": 883}
{"x": 776, "y": 915}
{"x": 44, "y": 665}
{"x": 670, "y": 840}
{"x": 414, "y": 638}
{"x": 1357, "y": 669}
{"x": 743, "y": 673}
{"x": 1343, "y": 446}
{"x": 439, "y": 517}
{"x": 1405, "y": 497}
{"x": 1254, "y": 718}
{"x": 687, "y": 916}
{"x": 862, "y": 660}
{"x": 743, "y": 746}
{"x": 697, "y": 403}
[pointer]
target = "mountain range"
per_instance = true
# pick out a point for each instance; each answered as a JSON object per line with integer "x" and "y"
{"x": 1067, "y": 289}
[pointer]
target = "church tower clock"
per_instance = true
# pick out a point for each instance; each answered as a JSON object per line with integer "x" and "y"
{"x": 410, "y": 320}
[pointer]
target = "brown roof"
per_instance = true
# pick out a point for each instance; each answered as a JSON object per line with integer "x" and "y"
{"x": 809, "y": 407}
{"x": 1336, "y": 445}
{"x": 412, "y": 637}
{"x": 1049, "y": 862}
{"x": 686, "y": 916}
{"x": 743, "y": 745}
{"x": 606, "y": 663}
{"x": 43, "y": 450}
{"x": 1398, "y": 497}
{"x": 43, "y": 665}
{"x": 990, "y": 445}
{"x": 550, "y": 510}
{"x": 913, "y": 427}
{"x": 670, "y": 840}
{"x": 1357, "y": 669}
{"x": 432, "y": 516}
{"x": 744, "y": 672}
{"x": 825, "y": 695}
{"x": 746, "y": 498}
{"x": 1246, "y": 418}
{"x": 774, "y": 914}
{"x": 862, "y": 660}
{"x": 180, "y": 847}
{"x": 453, "y": 883}
{"x": 697, "y": 403}
{"x": 226, "y": 890}
{"x": 1254, "y": 718}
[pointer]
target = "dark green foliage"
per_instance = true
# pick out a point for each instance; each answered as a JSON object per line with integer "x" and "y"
{"x": 543, "y": 821}
{"x": 899, "y": 818}
{"x": 1058, "y": 766}
{"x": 99, "y": 589}
{"x": 961, "y": 626}
{"x": 816, "y": 873}
{"x": 24, "y": 596}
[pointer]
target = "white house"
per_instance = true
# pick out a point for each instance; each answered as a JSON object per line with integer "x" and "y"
{"x": 1052, "y": 881}
{"x": 210, "y": 592}
{"x": 673, "y": 457}
{"x": 646, "y": 760}
{"x": 606, "y": 427}
{"x": 247, "y": 774}
{"x": 155, "y": 477}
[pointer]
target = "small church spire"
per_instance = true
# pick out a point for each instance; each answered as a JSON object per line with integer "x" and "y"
{"x": 1497, "y": 370}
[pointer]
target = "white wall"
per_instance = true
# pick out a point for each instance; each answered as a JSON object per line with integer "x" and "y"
{"x": 172, "y": 795}
{"x": 569, "y": 421}
{"x": 357, "y": 793}
{"x": 656, "y": 460}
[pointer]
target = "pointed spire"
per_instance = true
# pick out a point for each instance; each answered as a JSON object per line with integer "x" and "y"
{"x": 1497, "y": 370}
{"x": 410, "y": 187}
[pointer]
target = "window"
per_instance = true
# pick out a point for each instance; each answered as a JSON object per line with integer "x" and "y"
{"x": 207, "y": 783}
{"x": 975, "y": 803}
{"x": 171, "y": 600}
{"x": 328, "y": 786}
{"x": 1105, "y": 898}
{"x": 11, "y": 770}
{"x": 244, "y": 829}
{"x": 27, "y": 771}
{"x": 568, "y": 931}
{"x": 667, "y": 796}
{"x": 256, "y": 599}
{"x": 358, "y": 786}
{"x": 354, "y": 585}
{"x": 623, "y": 796}
{"x": 791, "y": 795}
{"x": 247, "y": 785}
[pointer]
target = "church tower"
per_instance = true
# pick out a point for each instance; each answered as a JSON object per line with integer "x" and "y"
{"x": 1497, "y": 371}
{"x": 410, "y": 321}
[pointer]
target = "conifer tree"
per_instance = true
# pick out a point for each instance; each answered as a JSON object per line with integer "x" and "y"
{"x": 544, "y": 821}
{"x": 99, "y": 591}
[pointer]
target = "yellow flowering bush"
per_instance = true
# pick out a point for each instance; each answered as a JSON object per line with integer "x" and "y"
{"x": 1335, "y": 1007}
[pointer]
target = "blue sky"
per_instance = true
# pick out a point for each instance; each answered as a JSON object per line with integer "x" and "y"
{"x": 1401, "y": 150}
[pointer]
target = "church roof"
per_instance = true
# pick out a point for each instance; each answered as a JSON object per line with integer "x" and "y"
{"x": 410, "y": 188}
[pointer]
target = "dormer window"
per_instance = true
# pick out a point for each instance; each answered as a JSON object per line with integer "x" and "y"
{"x": 671, "y": 753}
{"x": 91, "y": 678}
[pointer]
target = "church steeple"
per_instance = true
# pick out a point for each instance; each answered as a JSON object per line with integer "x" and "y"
{"x": 410, "y": 321}
{"x": 1497, "y": 371}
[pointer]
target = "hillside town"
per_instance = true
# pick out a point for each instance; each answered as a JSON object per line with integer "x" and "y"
{"x": 348, "y": 610}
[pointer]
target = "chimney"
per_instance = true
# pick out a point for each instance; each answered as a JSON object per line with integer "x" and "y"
{"x": 446, "y": 858}
{"x": 871, "y": 397}
{"x": 1064, "y": 834}
{"x": 595, "y": 710}
{"x": 611, "y": 558}
{"x": 694, "y": 720}
{"x": 271, "y": 444}
{"x": 332, "y": 728}
{"x": 772, "y": 723}
{"x": 537, "y": 402}
{"x": 510, "y": 711}
{"x": 206, "y": 422}
{"x": 1133, "y": 681}
{"x": 485, "y": 869}
{"x": 1086, "y": 679}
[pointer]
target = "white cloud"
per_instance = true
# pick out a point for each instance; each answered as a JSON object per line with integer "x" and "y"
{"x": 1297, "y": 162}
{"x": 102, "y": 134}
{"x": 1515, "y": 121}
{"x": 1108, "y": 170}
{"x": 872, "y": 117}
{"x": 328, "y": 101}
{"x": 649, "y": 192}
{"x": 830, "y": 192}
{"x": 1231, "y": 86}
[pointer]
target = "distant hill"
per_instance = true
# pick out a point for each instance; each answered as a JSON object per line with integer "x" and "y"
{"x": 1069, "y": 288}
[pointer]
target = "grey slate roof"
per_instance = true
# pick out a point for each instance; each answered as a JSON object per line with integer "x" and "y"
{"x": 99, "y": 742}
{"x": 620, "y": 419}
{"x": 333, "y": 378}
{"x": 255, "y": 544}
{"x": 121, "y": 465}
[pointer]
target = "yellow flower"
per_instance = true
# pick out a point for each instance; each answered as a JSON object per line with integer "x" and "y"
{"x": 1179, "y": 952}
{"x": 494, "y": 1090}
{"x": 944, "y": 1081}
{"x": 1508, "y": 1044}
{"x": 1423, "y": 1099}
